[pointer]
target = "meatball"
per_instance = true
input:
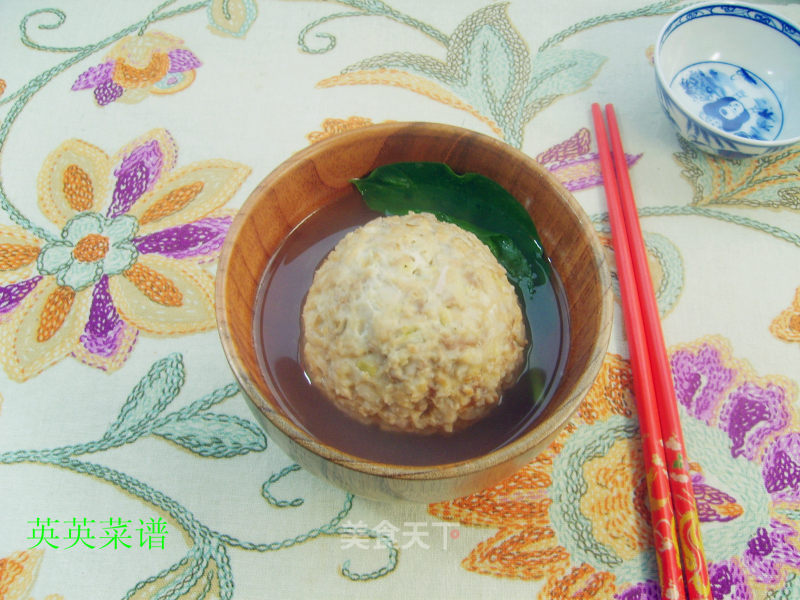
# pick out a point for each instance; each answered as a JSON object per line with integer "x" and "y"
{"x": 411, "y": 324}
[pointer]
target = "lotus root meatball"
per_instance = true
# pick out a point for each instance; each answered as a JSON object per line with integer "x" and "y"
{"x": 412, "y": 325}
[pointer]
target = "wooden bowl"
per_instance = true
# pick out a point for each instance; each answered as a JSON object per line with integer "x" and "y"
{"x": 321, "y": 174}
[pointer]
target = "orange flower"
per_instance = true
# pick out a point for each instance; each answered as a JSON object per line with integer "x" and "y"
{"x": 18, "y": 572}
{"x": 139, "y": 65}
{"x": 134, "y": 234}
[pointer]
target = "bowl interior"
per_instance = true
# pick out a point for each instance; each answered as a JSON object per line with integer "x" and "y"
{"x": 321, "y": 174}
{"x": 730, "y": 50}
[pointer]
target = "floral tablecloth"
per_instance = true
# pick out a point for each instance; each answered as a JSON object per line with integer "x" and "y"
{"x": 130, "y": 465}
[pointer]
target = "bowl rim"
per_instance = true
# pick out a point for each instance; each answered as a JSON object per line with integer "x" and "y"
{"x": 666, "y": 30}
{"x": 444, "y": 471}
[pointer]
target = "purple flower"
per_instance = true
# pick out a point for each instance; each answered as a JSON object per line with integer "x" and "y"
{"x": 781, "y": 468}
{"x": 128, "y": 261}
{"x": 771, "y": 551}
{"x": 728, "y": 581}
{"x": 574, "y": 164}
{"x": 137, "y": 66}
{"x": 701, "y": 378}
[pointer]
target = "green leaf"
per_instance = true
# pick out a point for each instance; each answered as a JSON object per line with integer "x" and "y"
{"x": 218, "y": 435}
{"x": 557, "y": 72}
{"x": 151, "y": 396}
{"x": 761, "y": 182}
{"x": 472, "y": 201}
{"x": 494, "y": 62}
{"x": 232, "y": 18}
{"x": 191, "y": 578}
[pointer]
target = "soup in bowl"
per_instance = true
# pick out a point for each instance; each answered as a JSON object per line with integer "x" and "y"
{"x": 291, "y": 224}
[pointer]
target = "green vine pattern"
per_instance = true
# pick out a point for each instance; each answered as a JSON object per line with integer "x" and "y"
{"x": 768, "y": 181}
{"x": 364, "y": 8}
{"x": 490, "y": 67}
{"x": 710, "y": 213}
{"x": 487, "y": 63}
{"x": 23, "y": 95}
{"x": 193, "y": 427}
{"x": 488, "y": 39}
{"x": 790, "y": 590}
{"x": 206, "y": 434}
{"x": 661, "y": 249}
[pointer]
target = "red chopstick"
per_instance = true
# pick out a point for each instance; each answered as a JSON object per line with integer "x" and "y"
{"x": 669, "y": 484}
{"x": 691, "y": 545}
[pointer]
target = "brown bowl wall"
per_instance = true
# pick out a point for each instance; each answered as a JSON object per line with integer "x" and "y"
{"x": 321, "y": 174}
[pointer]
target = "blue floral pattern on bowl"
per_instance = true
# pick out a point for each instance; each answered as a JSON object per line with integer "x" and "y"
{"x": 724, "y": 107}
{"x": 730, "y": 98}
{"x": 732, "y": 10}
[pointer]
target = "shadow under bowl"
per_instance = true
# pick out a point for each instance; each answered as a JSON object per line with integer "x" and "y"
{"x": 321, "y": 174}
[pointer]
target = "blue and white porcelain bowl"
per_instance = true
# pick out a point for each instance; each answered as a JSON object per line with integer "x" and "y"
{"x": 728, "y": 77}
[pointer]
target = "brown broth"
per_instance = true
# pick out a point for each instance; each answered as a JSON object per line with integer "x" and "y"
{"x": 277, "y": 332}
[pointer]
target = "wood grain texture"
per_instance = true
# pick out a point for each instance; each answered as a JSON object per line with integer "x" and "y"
{"x": 321, "y": 174}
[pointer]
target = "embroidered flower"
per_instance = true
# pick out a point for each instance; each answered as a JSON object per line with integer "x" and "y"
{"x": 786, "y": 325}
{"x": 93, "y": 245}
{"x": 139, "y": 65}
{"x": 231, "y": 17}
{"x": 574, "y": 163}
{"x": 577, "y": 516}
{"x": 332, "y": 126}
{"x": 135, "y": 232}
{"x": 18, "y": 573}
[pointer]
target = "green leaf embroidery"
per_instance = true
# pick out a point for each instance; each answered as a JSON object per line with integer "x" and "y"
{"x": 493, "y": 63}
{"x": 558, "y": 72}
{"x": 205, "y": 571}
{"x": 766, "y": 182}
{"x": 151, "y": 396}
{"x": 487, "y": 71}
{"x": 666, "y": 266}
{"x": 231, "y": 17}
{"x": 210, "y": 434}
{"x": 191, "y": 578}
